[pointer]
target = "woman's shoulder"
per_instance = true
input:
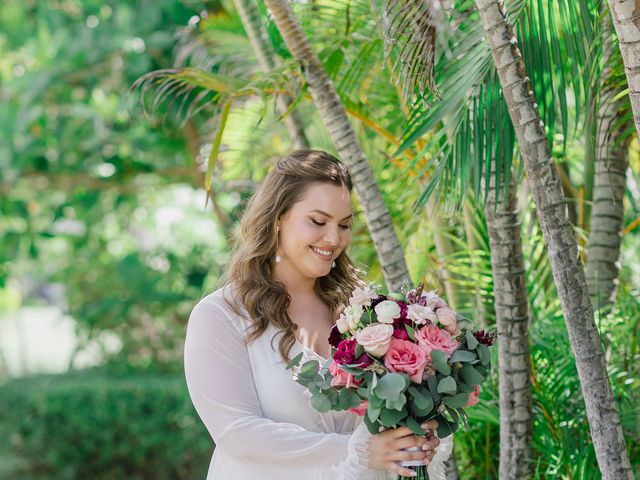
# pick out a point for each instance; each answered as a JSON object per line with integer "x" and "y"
{"x": 217, "y": 307}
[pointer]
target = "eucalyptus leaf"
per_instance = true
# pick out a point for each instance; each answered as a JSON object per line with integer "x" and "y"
{"x": 373, "y": 412}
{"x": 457, "y": 401}
{"x": 390, "y": 418}
{"x": 415, "y": 426}
{"x": 396, "y": 404}
{"x": 294, "y": 361}
{"x": 391, "y": 386}
{"x": 321, "y": 402}
{"x": 439, "y": 360}
{"x": 309, "y": 370}
{"x": 447, "y": 385}
{"x": 470, "y": 375}
{"x": 421, "y": 398}
{"x": 472, "y": 343}
{"x": 463, "y": 356}
{"x": 484, "y": 354}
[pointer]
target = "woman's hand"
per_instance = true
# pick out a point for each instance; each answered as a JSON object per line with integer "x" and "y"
{"x": 386, "y": 448}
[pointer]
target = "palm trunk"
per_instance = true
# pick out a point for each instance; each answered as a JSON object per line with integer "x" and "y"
{"x": 626, "y": 20}
{"x": 250, "y": 16}
{"x": 512, "y": 318}
{"x": 568, "y": 273}
{"x": 333, "y": 115}
{"x": 607, "y": 216}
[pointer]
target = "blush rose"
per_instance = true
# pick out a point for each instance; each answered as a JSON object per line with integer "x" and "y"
{"x": 431, "y": 338}
{"x": 375, "y": 338}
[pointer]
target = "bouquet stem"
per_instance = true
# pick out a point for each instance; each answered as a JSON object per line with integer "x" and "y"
{"x": 421, "y": 473}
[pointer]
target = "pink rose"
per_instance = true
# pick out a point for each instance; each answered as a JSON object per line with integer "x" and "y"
{"x": 407, "y": 357}
{"x": 474, "y": 396}
{"x": 375, "y": 338}
{"x": 447, "y": 318}
{"x": 361, "y": 409}
{"x": 431, "y": 337}
{"x": 342, "y": 378}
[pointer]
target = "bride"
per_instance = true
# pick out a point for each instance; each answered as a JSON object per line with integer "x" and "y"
{"x": 288, "y": 279}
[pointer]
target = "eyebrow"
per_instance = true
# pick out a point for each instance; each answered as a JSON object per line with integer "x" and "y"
{"x": 329, "y": 216}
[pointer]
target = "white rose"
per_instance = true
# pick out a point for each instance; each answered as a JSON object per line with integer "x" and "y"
{"x": 362, "y": 297}
{"x": 387, "y": 311}
{"x": 342, "y": 324}
{"x": 420, "y": 314}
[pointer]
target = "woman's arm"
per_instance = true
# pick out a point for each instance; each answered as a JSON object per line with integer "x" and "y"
{"x": 221, "y": 386}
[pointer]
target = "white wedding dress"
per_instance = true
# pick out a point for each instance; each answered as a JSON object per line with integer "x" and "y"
{"x": 260, "y": 419}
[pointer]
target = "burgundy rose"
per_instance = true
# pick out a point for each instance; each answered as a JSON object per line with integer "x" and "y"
{"x": 403, "y": 308}
{"x": 401, "y": 333}
{"x": 364, "y": 360}
{"x": 485, "y": 338}
{"x": 346, "y": 353}
{"x": 335, "y": 337}
{"x": 376, "y": 301}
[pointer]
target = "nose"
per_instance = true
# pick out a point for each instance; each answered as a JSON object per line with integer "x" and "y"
{"x": 332, "y": 236}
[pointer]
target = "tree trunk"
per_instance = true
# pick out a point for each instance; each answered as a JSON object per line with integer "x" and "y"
{"x": 607, "y": 216}
{"x": 512, "y": 319}
{"x": 250, "y": 16}
{"x": 626, "y": 20}
{"x": 568, "y": 273}
{"x": 333, "y": 115}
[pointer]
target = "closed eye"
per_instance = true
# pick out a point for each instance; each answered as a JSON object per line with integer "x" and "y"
{"x": 321, "y": 224}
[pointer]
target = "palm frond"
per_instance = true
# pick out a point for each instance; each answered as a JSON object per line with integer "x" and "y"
{"x": 410, "y": 28}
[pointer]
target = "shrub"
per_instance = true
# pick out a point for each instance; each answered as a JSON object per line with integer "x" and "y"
{"x": 102, "y": 426}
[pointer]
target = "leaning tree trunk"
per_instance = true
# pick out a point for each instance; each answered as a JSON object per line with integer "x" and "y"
{"x": 250, "y": 16}
{"x": 626, "y": 20}
{"x": 607, "y": 215}
{"x": 568, "y": 273}
{"x": 333, "y": 115}
{"x": 512, "y": 318}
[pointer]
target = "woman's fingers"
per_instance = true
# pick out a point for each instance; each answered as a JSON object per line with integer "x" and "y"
{"x": 402, "y": 456}
{"x": 429, "y": 425}
{"x": 410, "y": 441}
{"x": 405, "y": 472}
{"x": 401, "y": 432}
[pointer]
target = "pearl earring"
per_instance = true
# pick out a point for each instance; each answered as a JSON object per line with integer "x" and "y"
{"x": 278, "y": 258}
{"x": 333, "y": 264}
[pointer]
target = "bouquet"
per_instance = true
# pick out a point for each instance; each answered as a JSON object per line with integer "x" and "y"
{"x": 400, "y": 359}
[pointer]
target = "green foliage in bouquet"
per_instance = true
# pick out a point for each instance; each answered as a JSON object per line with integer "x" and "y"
{"x": 393, "y": 400}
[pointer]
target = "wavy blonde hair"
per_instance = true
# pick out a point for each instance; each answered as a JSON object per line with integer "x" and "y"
{"x": 250, "y": 272}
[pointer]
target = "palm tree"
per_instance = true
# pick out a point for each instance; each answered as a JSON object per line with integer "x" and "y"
{"x": 332, "y": 112}
{"x": 625, "y": 21}
{"x": 567, "y": 269}
{"x": 512, "y": 318}
{"x": 607, "y": 215}
{"x": 250, "y": 15}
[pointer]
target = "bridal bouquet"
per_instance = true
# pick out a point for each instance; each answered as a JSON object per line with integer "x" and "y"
{"x": 400, "y": 359}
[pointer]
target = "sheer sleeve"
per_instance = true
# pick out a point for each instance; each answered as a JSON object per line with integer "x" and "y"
{"x": 221, "y": 385}
{"x": 437, "y": 465}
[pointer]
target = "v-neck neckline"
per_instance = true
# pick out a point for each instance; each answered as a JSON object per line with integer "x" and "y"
{"x": 310, "y": 350}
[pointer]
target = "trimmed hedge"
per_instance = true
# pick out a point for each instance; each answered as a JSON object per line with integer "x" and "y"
{"x": 103, "y": 427}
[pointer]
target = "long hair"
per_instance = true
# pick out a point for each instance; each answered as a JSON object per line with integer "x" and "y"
{"x": 250, "y": 272}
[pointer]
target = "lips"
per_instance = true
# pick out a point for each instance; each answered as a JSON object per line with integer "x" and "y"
{"x": 326, "y": 255}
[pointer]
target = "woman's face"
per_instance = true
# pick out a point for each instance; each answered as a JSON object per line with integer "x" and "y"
{"x": 314, "y": 231}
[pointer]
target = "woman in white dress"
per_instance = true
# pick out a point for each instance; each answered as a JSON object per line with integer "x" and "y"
{"x": 288, "y": 279}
